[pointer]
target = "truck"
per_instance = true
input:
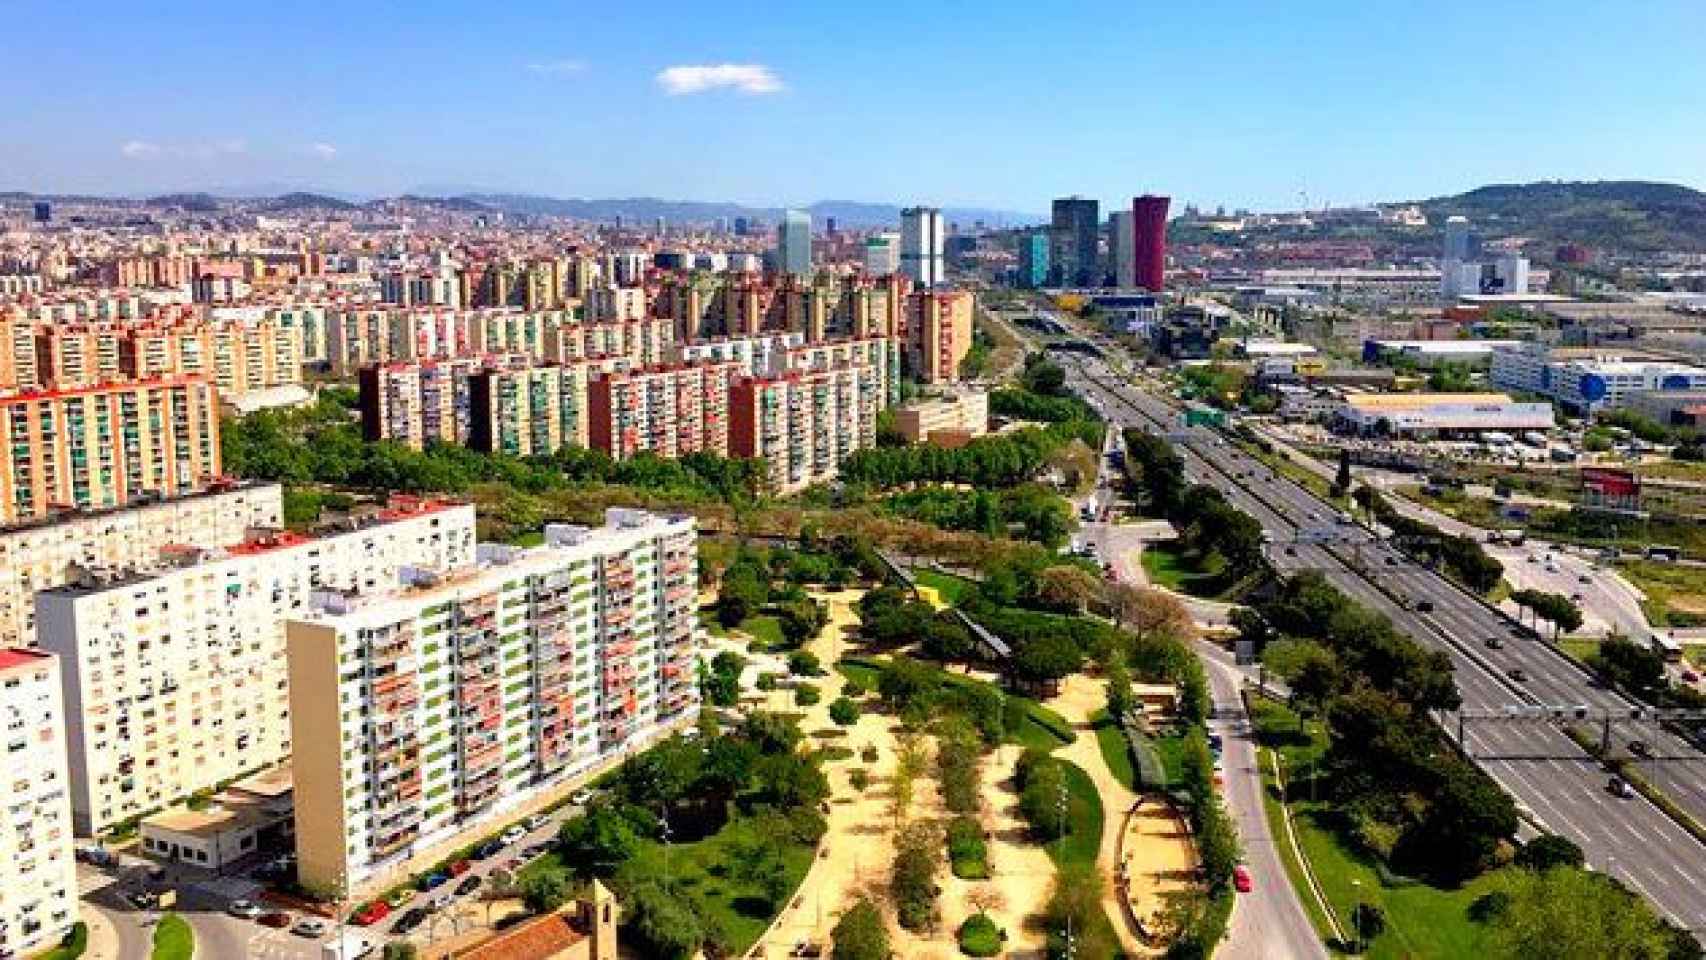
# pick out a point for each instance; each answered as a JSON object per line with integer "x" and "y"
{"x": 349, "y": 945}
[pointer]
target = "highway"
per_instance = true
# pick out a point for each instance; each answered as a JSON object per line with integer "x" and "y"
{"x": 1554, "y": 781}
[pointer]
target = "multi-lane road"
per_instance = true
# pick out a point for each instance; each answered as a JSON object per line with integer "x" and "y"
{"x": 1555, "y": 781}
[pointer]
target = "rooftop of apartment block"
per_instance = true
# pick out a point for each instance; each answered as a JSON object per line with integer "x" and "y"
{"x": 12, "y": 658}
{"x": 144, "y": 501}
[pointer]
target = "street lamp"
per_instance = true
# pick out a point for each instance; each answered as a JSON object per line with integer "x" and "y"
{"x": 1356, "y": 911}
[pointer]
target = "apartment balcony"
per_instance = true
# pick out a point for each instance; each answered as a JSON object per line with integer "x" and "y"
{"x": 386, "y": 843}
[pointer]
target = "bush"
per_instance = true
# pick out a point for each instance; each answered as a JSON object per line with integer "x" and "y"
{"x": 806, "y": 694}
{"x": 968, "y": 854}
{"x": 869, "y": 754}
{"x": 859, "y": 779}
{"x": 956, "y": 767}
{"x": 1549, "y": 851}
{"x": 912, "y": 881}
{"x": 979, "y": 936}
{"x": 804, "y": 663}
{"x": 766, "y": 682}
{"x": 860, "y": 934}
{"x": 844, "y": 712}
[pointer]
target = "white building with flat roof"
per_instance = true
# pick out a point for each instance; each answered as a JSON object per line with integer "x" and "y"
{"x": 1428, "y": 414}
{"x": 38, "y": 882}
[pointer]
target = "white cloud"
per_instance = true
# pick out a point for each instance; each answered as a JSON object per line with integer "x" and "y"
{"x": 324, "y": 151}
{"x": 556, "y": 68}
{"x": 139, "y": 148}
{"x": 207, "y": 150}
{"x": 745, "y": 77}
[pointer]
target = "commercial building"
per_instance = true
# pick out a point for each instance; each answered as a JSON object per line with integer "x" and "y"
{"x": 427, "y": 711}
{"x": 174, "y": 676}
{"x": 951, "y": 421}
{"x": 52, "y": 551}
{"x": 921, "y": 246}
{"x": 1433, "y": 353}
{"x": 1435, "y": 414}
{"x": 1459, "y": 275}
{"x": 107, "y": 445}
{"x": 1122, "y": 247}
{"x": 882, "y": 254}
{"x": 666, "y": 411}
{"x": 1585, "y": 381}
{"x": 38, "y": 887}
{"x": 1033, "y": 260}
{"x": 1150, "y": 215}
{"x": 794, "y": 243}
{"x": 805, "y": 423}
{"x": 1074, "y": 255}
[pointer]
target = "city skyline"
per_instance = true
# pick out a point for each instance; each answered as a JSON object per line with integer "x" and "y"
{"x": 228, "y": 99}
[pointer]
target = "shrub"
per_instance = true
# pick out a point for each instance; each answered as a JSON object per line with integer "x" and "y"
{"x": 869, "y": 754}
{"x": 806, "y": 694}
{"x": 968, "y": 855}
{"x": 844, "y": 712}
{"x": 860, "y": 934}
{"x": 766, "y": 682}
{"x": 979, "y": 936}
{"x": 859, "y": 779}
{"x": 804, "y": 663}
{"x": 912, "y": 881}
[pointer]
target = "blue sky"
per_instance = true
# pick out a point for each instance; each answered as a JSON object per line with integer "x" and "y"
{"x": 994, "y": 103}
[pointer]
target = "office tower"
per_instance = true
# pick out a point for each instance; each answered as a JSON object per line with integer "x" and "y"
{"x": 1510, "y": 273}
{"x": 1456, "y": 239}
{"x": 44, "y": 212}
{"x": 38, "y": 887}
{"x": 666, "y": 411}
{"x": 428, "y": 712}
{"x": 882, "y": 254}
{"x": 1459, "y": 276}
{"x": 1150, "y": 214}
{"x": 1122, "y": 247}
{"x": 51, "y": 552}
{"x": 794, "y": 243}
{"x": 105, "y": 446}
{"x": 921, "y": 244}
{"x": 741, "y": 224}
{"x": 175, "y": 677}
{"x": 1075, "y": 226}
{"x": 1033, "y": 260}
{"x": 829, "y": 226}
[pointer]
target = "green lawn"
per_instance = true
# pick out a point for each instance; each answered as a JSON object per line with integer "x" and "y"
{"x": 950, "y": 587}
{"x": 701, "y": 871}
{"x": 1422, "y": 920}
{"x": 765, "y": 630}
{"x": 1676, "y": 595}
{"x": 1115, "y": 753}
{"x": 1084, "y": 812}
{"x": 1579, "y": 647}
{"x": 1169, "y": 748}
{"x": 73, "y": 947}
{"x": 708, "y": 620}
{"x": 173, "y": 938}
{"x": 1043, "y": 728}
{"x": 1167, "y": 566}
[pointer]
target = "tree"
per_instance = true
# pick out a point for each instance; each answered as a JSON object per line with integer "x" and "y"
{"x": 1047, "y": 658}
{"x": 861, "y": 934}
{"x": 1564, "y": 912}
{"x": 1369, "y": 921}
{"x": 912, "y": 879}
{"x": 1626, "y": 664}
{"x": 771, "y": 732}
{"x": 599, "y": 842}
{"x": 401, "y": 950}
{"x": 1343, "y": 480}
{"x": 662, "y": 923}
{"x": 1119, "y": 693}
{"x": 804, "y": 663}
{"x": 722, "y": 680}
{"x": 545, "y": 891}
{"x": 1548, "y": 851}
{"x": 1041, "y": 800}
{"x": 1068, "y": 589}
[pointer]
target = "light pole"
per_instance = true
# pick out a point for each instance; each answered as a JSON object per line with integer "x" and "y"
{"x": 1356, "y": 911}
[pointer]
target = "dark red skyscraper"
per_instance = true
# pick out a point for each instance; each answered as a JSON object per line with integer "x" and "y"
{"x": 1149, "y": 214}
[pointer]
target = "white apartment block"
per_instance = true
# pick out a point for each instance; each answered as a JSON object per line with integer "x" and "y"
{"x": 175, "y": 677}
{"x": 38, "y": 884}
{"x": 428, "y": 711}
{"x": 54, "y": 551}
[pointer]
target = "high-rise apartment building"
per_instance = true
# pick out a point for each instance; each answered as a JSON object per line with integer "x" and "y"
{"x": 531, "y": 411}
{"x": 53, "y": 551}
{"x": 939, "y": 332}
{"x": 1074, "y": 228}
{"x": 794, "y": 244}
{"x": 417, "y": 403}
{"x": 1150, "y": 264}
{"x": 175, "y": 678}
{"x": 667, "y": 411}
{"x": 431, "y": 710}
{"x": 882, "y": 254}
{"x": 805, "y": 423}
{"x": 107, "y": 445}
{"x": 921, "y": 246}
{"x": 38, "y": 888}
{"x": 1033, "y": 260}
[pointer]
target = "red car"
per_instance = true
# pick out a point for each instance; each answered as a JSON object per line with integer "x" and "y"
{"x": 1241, "y": 879}
{"x": 459, "y": 868}
{"x": 371, "y": 914}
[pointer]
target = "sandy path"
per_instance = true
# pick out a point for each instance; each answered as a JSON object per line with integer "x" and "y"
{"x": 1079, "y": 697}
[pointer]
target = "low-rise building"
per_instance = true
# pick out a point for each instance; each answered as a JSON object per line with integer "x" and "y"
{"x": 1434, "y": 414}
{"x": 950, "y": 421}
{"x": 38, "y": 886}
{"x": 426, "y": 711}
{"x": 174, "y": 676}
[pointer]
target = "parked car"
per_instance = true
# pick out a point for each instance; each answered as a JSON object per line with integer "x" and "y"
{"x": 539, "y": 819}
{"x": 460, "y": 867}
{"x": 440, "y": 902}
{"x": 277, "y": 919}
{"x": 243, "y": 909}
{"x": 414, "y": 917}
{"x": 309, "y": 927}
{"x": 513, "y": 835}
{"x": 433, "y": 881}
{"x": 487, "y": 850}
{"x": 371, "y": 914}
{"x": 1241, "y": 879}
{"x": 468, "y": 885}
{"x": 400, "y": 897}
{"x": 143, "y": 900}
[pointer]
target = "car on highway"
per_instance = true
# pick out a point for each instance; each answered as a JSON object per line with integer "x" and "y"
{"x": 1638, "y": 747}
{"x": 414, "y": 917}
{"x": 310, "y": 927}
{"x": 1495, "y": 643}
{"x": 1242, "y": 881}
{"x": 1518, "y": 674}
{"x": 1619, "y": 787}
{"x": 1424, "y": 606}
{"x": 277, "y": 919}
{"x": 468, "y": 885}
{"x": 243, "y": 909}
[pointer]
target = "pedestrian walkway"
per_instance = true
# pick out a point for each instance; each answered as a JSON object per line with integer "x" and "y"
{"x": 1157, "y": 859}
{"x": 103, "y": 936}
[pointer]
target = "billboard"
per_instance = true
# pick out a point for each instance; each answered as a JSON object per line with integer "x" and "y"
{"x": 1610, "y": 489}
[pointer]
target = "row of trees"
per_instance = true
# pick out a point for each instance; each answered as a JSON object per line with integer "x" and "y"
{"x": 1405, "y": 794}
{"x": 1554, "y": 608}
{"x": 989, "y": 462}
{"x": 1033, "y": 510}
{"x": 1462, "y": 556}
